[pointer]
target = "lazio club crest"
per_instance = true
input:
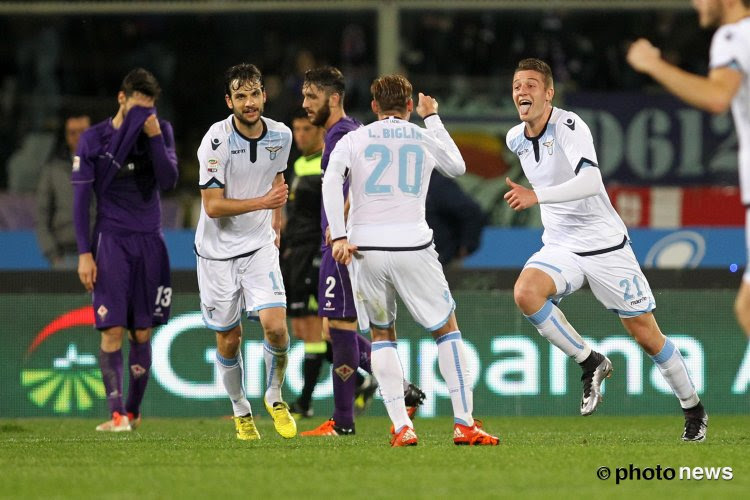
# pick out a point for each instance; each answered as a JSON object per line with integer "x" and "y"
{"x": 272, "y": 151}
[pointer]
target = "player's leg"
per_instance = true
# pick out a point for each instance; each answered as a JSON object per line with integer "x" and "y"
{"x": 419, "y": 280}
{"x": 139, "y": 369}
{"x": 644, "y": 329}
{"x": 265, "y": 296}
{"x": 111, "y": 366}
{"x": 221, "y": 305}
{"x": 151, "y": 301}
{"x": 551, "y": 274}
{"x": 300, "y": 267}
{"x": 309, "y": 329}
{"x": 390, "y": 374}
{"x": 110, "y": 300}
{"x": 618, "y": 282}
{"x": 742, "y": 303}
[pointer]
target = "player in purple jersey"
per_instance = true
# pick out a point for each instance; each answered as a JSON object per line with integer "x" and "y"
{"x": 125, "y": 160}
{"x": 323, "y": 91}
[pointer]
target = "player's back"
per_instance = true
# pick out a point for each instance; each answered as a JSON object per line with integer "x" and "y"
{"x": 390, "y": 164}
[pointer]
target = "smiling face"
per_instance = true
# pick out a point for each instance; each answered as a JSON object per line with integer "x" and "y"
{"x": 532, "y": 97}
{"x": 246, "y": 101}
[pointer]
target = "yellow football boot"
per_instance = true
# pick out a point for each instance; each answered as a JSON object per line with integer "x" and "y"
{"x": 282, "y": 419}
{"x": 246, "y": 428}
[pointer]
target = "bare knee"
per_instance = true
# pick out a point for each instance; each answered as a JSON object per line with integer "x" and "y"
{"x": 646, "y": 332}
{"x": 112, "y": 339}
{"x": 528, "y": 298}
{"x": 276, "y": 333}
{"x": 228, "y": 343}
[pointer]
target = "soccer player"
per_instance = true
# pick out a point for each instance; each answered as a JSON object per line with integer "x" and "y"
{"x": 388, "y": 165}
{"x": 584, "y": 240}
{"x": 323, "y": 92}
{"x": 300, "y": 256}
{"x": 126, "y": 160}
{"x": 236, "y": 242}
{"x": 727, "y": 84}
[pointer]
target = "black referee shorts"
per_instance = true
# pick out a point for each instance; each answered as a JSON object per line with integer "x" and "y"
{"x": 300, "y": 266}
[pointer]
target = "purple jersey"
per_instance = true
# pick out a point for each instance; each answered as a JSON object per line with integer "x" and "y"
{"x": 334, "y": 134}
{"x": 126, "y": 169}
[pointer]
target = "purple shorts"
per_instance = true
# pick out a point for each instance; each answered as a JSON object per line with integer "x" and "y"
{"x": 133, "y": 286}
{"x": 335, "y": 297}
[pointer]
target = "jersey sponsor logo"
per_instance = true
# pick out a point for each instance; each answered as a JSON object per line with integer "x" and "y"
{"x": 570, "y": 123}
{"x": 76, "y": 163}
{"x": 215, "y": 143}
{"x": 549, "y": 145}
{"x": 523, "y": 152}
{"x": 213, "y": 165}
{"x": 272, "y": 151}
{"x": 238, "y": 151}
{"x": 344, "y": 372}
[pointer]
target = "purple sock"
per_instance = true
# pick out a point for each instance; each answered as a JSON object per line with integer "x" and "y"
{"x": 110, "y": 364}
{"x": 139, "y": 361}
{"x": 365, "y": 348}
{"x": 345, "y": 363}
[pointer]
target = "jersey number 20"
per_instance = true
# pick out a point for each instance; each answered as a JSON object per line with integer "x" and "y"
{"x": 405, "y": 153}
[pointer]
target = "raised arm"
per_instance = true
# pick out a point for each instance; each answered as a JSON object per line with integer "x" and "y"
{"x": 163, "y": 155}
{"x": 438, "y": 141}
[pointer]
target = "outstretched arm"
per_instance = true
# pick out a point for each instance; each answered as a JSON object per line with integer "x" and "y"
{"x": 713, "y": 93}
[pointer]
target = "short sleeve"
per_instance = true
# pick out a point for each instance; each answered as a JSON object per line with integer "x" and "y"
{"x": 576, "y": 141}
{"x": 728, "y": 50}
{"x": 213, "y": 161}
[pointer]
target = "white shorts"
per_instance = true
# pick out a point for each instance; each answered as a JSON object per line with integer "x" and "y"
{"x": 415, "y": 275}
{"x": 615, "y": 277}
{"x": 230, "y": 287}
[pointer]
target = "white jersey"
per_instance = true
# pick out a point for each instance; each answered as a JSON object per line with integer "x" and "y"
{"x": 730, "y": 47}
{"x": 244, "y": 168}
{"x": 389, "y": 163}
{"x": 563, "y": 148}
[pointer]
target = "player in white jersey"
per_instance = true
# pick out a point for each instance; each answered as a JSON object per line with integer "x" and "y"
{"x": 242, "y": 190}
{"x": 727, "y": 84}
{"x": 584, "y": 240}
{"x": 388, "y": 164}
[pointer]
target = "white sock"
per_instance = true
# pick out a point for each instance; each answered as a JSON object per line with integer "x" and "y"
{"x": 232, "y": 374}
{"x": 552, "y": 325}
{"x": 386, "y": 366}
{"x": 673, "y": 369}
{"x": 276, "y": 360}
{"x": 455, "y": 371}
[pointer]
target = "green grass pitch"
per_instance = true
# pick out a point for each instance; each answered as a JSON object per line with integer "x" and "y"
{"x": 539, "y": 457}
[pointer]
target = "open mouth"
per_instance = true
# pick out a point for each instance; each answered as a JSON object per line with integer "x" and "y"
{"x": 524, "y": 105}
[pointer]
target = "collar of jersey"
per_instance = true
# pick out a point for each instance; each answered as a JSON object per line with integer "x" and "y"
{"x": 262, "y": 134}
{"x": 536, "y": 138}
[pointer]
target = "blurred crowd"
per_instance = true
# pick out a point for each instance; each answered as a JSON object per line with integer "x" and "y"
{"x": 72, "y": 65}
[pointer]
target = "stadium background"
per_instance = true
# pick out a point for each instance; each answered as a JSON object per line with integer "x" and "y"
{"x": 671, "y": 172}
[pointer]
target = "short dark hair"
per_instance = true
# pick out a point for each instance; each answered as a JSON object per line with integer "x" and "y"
{"x": 141, "y": 80}
{"x": 533, "y": 64}
{"x": 391, "y": 92}
{"x": 327, "y": 78}
{"x": 242, "y": 73}
{"x": 300, "y": 114}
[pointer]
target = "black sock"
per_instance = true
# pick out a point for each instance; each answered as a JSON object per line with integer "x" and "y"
{"x": 696, "y": 411}
{"x": 589, "y": 364}
{"x": 311, "y": 369}
{"x": 329, "y": 352}
{"x": 360, "y": 380}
